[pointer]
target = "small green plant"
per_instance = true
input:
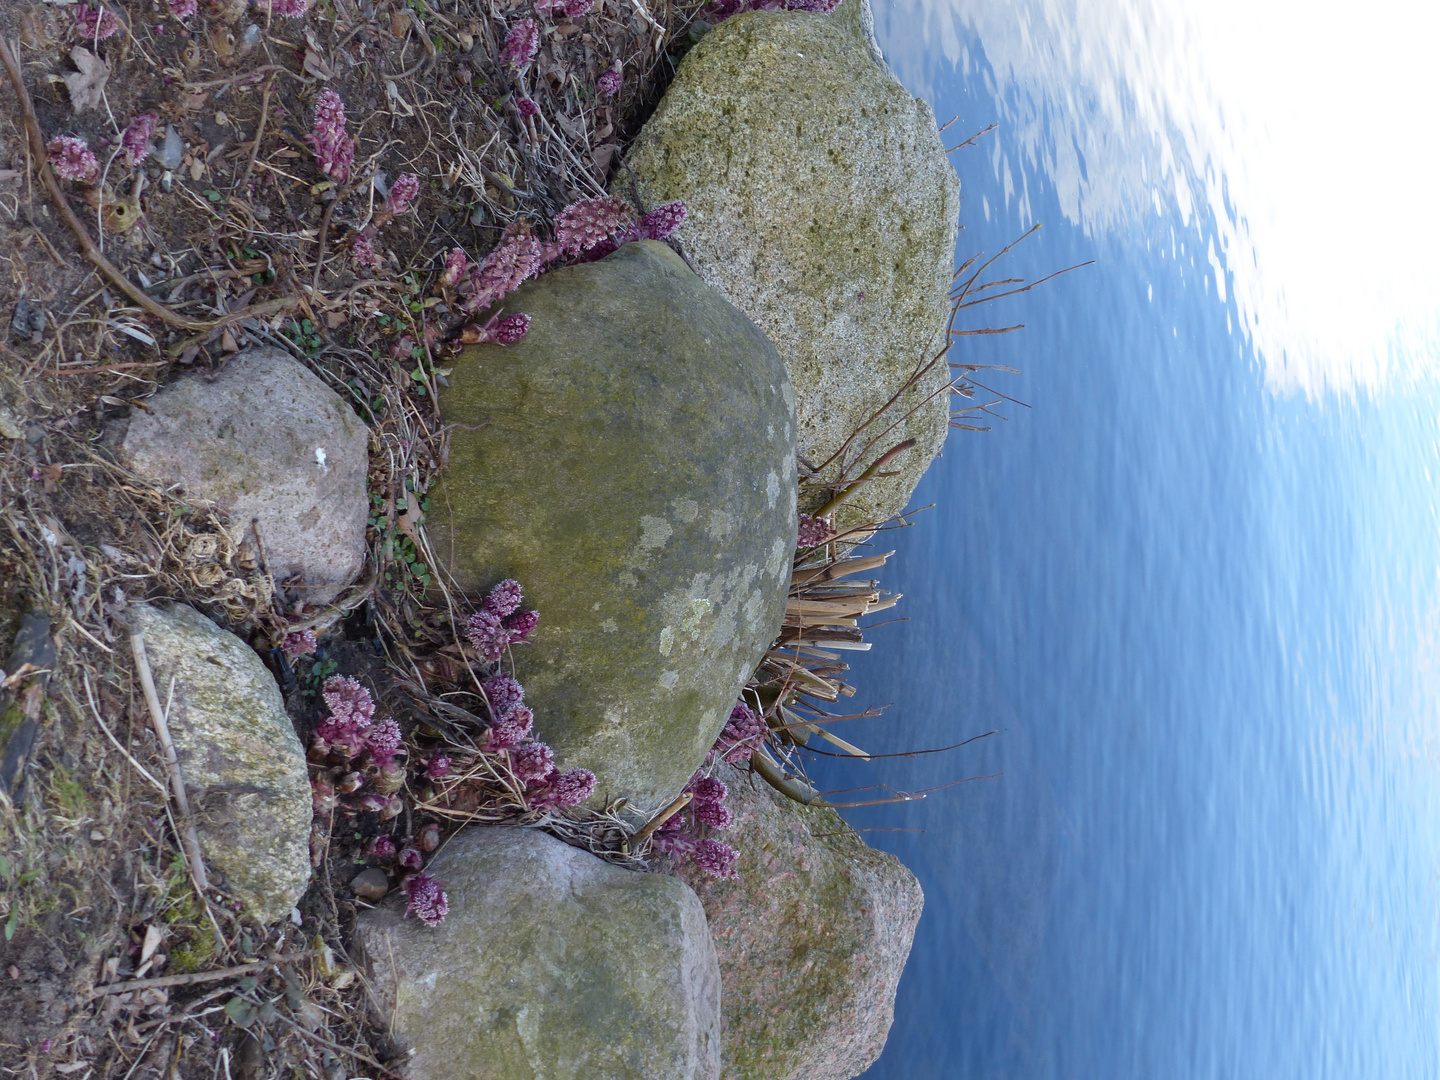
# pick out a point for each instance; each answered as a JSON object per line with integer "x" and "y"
{"x": 303, "y": 333}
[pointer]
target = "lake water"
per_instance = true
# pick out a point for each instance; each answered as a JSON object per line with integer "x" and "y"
{"x": 1194, "y": 585}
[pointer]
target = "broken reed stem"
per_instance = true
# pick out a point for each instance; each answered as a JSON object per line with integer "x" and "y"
{"x": 161, "y": 981}
{"x": 172, "y": 762}
{"x": 648, "y": 829}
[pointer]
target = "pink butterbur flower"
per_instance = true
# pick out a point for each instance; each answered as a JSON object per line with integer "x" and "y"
{"x": 521, "y": 625}
{"x": 608, "y": 85}
{"x": 299, "y": 643}
{"x": 526, "y": 107}
{"x": 383, "y": 742}
{"x": 813, "y": 532}
{"x": 504, "y": 598}
{"x": 570, "y": 788}
{"x": 72, "y": 160}
{"x": 455, "y": 266}
{"x": 487, "y": 634}
{"x": 136, "y": 139}
{"x": 380, "y": 847}
{"x": 410, "y": 859}
{"x": 502, "y": 693}
{"x": 709, "y": 790}
{"x": 741, "y": 736}
{"x": 183, "y": 9}
{"x": 402, "y": 193}
{"x": 363, "y": 248}
{"x": 578, "y": 9}
{"x": 512, "y": 729}
{"x": 714, "y": 814}
{"x": 437, "y": 767}
{"x": 584, "y": 225}
{"x": 425, "y": 899}
{"x": 532, "y": 761}
{"x": 715, "y": 858}
{"x": 290, "y": 9}
{"x": 662, "y": 221}
{"x": 521, "y": 44}
{"x": 516, "y": 258}
{"x": 334, "y": 150}
{"x": 96, "y": 23}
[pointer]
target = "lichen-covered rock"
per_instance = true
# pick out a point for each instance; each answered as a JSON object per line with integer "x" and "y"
{"x": 821, "y": 202}
{"x": 551, "y": 965}
{"x": 243, "y": 764}
{"x": 812, "y": 935}
{"x": 267, "y": 441}
{"x": 631, "y": 461}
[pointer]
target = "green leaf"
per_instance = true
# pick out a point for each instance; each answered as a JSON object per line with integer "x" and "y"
{"x": 30, "y": 875}
{"x": 4, "y": 867}
{"x": 240, "y": 1011}
{"x": 248, "y": 983}
{"x": 11, "y": 923}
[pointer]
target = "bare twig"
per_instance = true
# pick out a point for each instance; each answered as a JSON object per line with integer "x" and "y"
{"x": 194, "y": 977}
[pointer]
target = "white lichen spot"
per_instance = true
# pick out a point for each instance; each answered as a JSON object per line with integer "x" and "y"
{"x": 669, "y": 679}
{"x": 627, "y": 578}
{"x": 699, "y": 608}
{"x": 614, "y": 716}
{"x": 595, "y": 606}
{"x": 788, "y": 393}
{"x": 320, "y": 460}
{"x": 667, "y": 640}
{"x": 720, "y": 525}
{"x": 772, "y": 489}
{"x": 778, "y": 559}
{"x": 609, "y": 626}
{"x": 687, "y": 510}
{"x": 654, "y": 531}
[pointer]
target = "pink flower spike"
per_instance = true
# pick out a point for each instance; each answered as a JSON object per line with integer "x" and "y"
{"x": 347, "y": 699}
{"x": 521, "y": 625}
{"x": 741, "y": 736}
{"x": 714, "y": 814}
{"x": 570, "y": 788}
{"x": 583, "y": 225}
{"x": 709, "y": 790}
{"x": 183, "y": 9}
{"x": 300, "y": 643}
{"x": 363, "y": 248}
{"x": 715, "y": 858}
{"x": 487, "y": 635}
{"x": 437, "y": 767}
{"x": 521, "y": 44}
{"x": 334, "y": 150}
{"x": 425, "y": 899}
{"x": 503, "y": 693}
{"x": 504, "y": 598}
{"x": 532, "y": 761}
{"x": 455, "y": 266}
{"x": 608, "y": 84}
{"x": 578, "y": 9}
{"x": 383, "y": 742}
{"x": 515, "y": 259}
{"x": 96, "y": 23}
{"x": 662, "y": 221}
{"x": 291, "y": 9}
{"x": 72, "y": 160}
{"x": 526, "y": 106}
{"x": 402, "y": 193}
{"x": 813, "y": 532}
{"x": 380, "y": 847}
{"x": 512, "y": 729}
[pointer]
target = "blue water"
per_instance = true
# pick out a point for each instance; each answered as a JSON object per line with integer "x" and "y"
{"x": 1204, "y": 617}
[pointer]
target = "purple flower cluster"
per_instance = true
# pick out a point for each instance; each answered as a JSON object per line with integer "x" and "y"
{"x": 402, "y": 193}
{"x": 741, "y": 736}
{"x": 72, "y": 160}
{"x": 425, "y": 899}
{"x": 291, "y": 9}
{"x": 299, "y": 643}
{"x": 813, "y": 532}
{"x": 136, "y": 139}
{"x": 682, "y": 836}
{"x": 183, "y": 9}
{"x": 521, "y": 44}
{"x": 363, "y": 248}
{"x": 503, "y": 331}
{"x": 498, "y": 624}
{"x": 655, "y": 225}
{"x": 437, "y": 767}
{"x": 533, "y": 761}
{"x": 526, "y": 106}
{"x": 569, "y": 788}
{"x": 518, "y": 257}
{"x": 585, "y": 225}
{"x": 511, "y": 729}
{"x": 334, "y": 150}
{"x": 96, "y": 23}
{"x": 571, "y": 9}
{"x": 455, "y": 266}
{"x": 608, "y": 84}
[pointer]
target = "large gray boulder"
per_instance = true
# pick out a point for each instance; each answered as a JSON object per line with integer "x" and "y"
{"x": 551, "y": 965}
{"x": 243, "y": 764}
{"x": 269, "y": 442}
{"x": 631, "y": 461}
{"x": 812, "y": 935}
{"x": 822, "y": 203}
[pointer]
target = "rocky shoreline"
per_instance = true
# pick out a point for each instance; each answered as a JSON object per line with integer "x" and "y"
{"x": 677, "y": 434}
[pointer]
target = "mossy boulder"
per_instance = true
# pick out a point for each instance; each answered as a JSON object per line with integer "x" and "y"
{"x": 812, "y": 936}
{"x": 631, "y": 462}
{"x": 243, "y": 765}
{"x": 822, "y": 203}
{"x": 551, "y": 965}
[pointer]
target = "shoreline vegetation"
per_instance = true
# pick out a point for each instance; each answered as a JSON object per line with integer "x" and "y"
{"x": 250, "y": 718}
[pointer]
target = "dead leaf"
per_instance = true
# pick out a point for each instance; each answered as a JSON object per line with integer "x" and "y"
{"x": 315, "y": 65}
{"x": 603, "y": 155}
{"x": 153, "y": 936}
{"x": 51, "y": 474}
{"x": 193, "y": 102}
{"x": 335, "y": 319}
{"x": 87, "y": 85}
{"x": 227, "y": 342}
{"x": 33, "y": 33}
{"x": 197, "y": 168}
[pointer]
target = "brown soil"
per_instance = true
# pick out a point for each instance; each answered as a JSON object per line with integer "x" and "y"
{"x": 90, "y": 860}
